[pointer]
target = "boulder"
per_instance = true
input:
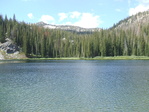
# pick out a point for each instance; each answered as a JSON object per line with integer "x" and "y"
{"x": 9, "y": 46}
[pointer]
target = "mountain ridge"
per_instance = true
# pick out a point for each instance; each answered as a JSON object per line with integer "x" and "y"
{"x": 130, "y": 22}
{"x": 67, "y": 27}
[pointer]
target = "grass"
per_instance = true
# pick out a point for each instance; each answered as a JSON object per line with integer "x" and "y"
{"x": 123, "y": 58}
{"x": 96, "y": 58}
{"x": 21, "y": 56}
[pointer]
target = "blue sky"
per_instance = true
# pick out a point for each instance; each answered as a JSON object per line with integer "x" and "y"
{"x": 84, "y": 13}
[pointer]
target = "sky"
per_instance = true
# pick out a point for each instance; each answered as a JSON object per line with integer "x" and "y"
{"x": 83, "y": 13}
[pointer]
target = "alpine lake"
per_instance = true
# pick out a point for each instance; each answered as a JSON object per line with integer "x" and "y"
{"x": 74, "y": 86}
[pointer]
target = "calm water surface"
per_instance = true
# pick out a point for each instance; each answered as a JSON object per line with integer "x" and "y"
{"x": 74, "y": 86}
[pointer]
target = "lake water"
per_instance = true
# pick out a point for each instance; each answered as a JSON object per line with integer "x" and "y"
{"x": 74, "y": 86}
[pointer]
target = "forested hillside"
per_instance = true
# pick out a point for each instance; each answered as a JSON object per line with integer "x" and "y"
{"x": 37, "y": 41}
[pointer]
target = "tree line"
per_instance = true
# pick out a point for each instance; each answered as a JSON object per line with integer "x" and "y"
{"x": 37, "y": 41}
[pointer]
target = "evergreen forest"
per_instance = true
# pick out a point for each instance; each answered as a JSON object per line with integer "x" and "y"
{"x": 37, "y": 41}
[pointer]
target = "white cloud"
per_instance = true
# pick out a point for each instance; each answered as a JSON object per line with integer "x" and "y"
{"x": 62, "y": 16}
{"x": 72, "y": 15}
{"x": 75, "y": 14}
{"x": 143, "y": 5}
{"x": 85, "y": 20}
{"x": 47, "y": 19}
{"x": 68, "y": 23}
{"x": 30, "y": 15}
{"x": 139, "y": 8}
{"x": 88, "y": 20}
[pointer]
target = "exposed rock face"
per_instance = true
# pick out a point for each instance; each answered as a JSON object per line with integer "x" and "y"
{"x": 133, "y": 21}
{"x": 1, "y": 56}
{"x": 9, "y": 50}
{"x": 9, "y": 47}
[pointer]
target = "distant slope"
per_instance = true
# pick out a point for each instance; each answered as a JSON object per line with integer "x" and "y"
{"x": 67, "y": 27}
{"x": 134, "y": 21}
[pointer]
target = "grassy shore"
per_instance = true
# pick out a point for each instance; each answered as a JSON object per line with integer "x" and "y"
{"x": 22, "y": 57}
{"x": 123, "y": 58}
{"x": 95, "y": 58}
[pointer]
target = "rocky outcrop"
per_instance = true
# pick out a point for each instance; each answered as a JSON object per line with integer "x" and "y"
{"x": 1, "y": 56}
{"x": 9, "y": 50}
{"x": 9, "y": 47}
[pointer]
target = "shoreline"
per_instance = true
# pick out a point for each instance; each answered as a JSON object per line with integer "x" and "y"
{"x": 82, "y": 58}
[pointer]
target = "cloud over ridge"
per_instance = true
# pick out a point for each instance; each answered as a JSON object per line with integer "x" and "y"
{"x": 143, "y": 5}
{"x": 47, "y": 19}
{"x": 85, "y": 20}
{"x": 30, "y": 15}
